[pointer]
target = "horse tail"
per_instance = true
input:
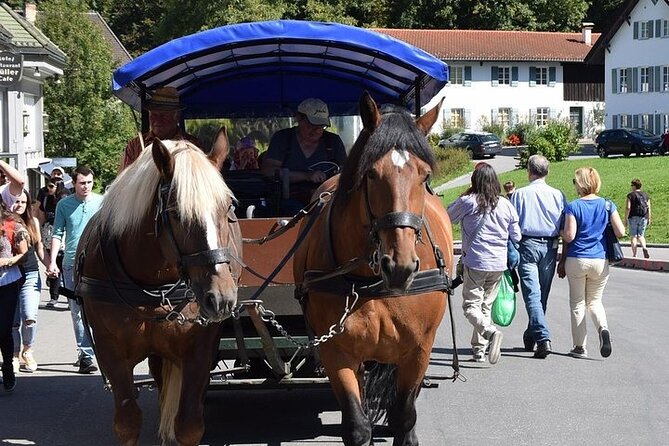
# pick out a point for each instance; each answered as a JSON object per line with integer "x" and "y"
{"x": 170, "y": 395}
{"x": 379, "y": 390}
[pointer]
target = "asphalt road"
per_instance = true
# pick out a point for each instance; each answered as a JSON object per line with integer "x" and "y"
{"x": 520, "y": 401}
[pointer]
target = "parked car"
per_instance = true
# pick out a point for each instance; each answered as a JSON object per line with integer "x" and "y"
{"x": 625, "y": 142}
{"x": 477, "y": 144}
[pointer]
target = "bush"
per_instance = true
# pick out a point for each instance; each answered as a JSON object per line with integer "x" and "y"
{"x": 524, "y": 131}
{"x": 451, "y": 163}
{"x": 556, "y": 141}
{"x": 449, "y": 131}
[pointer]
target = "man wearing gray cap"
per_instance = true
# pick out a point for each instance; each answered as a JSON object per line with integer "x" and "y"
{"x": 307, "y": 153}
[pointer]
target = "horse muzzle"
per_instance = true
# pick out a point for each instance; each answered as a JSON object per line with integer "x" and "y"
{"x": 398, "y": 277}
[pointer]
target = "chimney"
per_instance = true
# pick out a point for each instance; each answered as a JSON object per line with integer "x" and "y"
{"x": 30, "y": 12}
{"x": 586, "y": 31}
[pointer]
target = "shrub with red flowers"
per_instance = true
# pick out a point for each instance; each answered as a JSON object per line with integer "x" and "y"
{"x": 513, "y": 140}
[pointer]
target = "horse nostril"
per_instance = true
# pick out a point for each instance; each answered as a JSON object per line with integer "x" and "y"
{"x": 387, "y": 265}
{"x": 417, "y": 268}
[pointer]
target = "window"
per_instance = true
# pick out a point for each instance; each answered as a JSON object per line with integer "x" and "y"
{"x": 645, "y": 122}
{"x": 665, "y": 28}
{"x": 665, "y": 78}
{"x": 622, "y": 80}
{"x": 625, "y": 121}
{"x": 457, "y": 75}
{"x": 504, "y": 75}
{"x": 643, "y": 77}
{"x": 542, "y": 75}
{"x": 645, "y": 30}
{"x": 458, "y": 117}
{"x": 542, "y": 116}
{"x": 504, "y": 117}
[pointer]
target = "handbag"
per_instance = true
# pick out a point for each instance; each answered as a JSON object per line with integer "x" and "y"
{"x": 504, "y": 307}
{"x": 614, "y": 253}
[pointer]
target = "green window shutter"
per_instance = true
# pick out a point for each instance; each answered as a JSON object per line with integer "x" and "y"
{"x": 468, "y": 76}
{"x": 658, "y": 78}
{"x": 514, "y": 76}
{"x": 650, "y": 29}
{"x": 635, "y": 79}
{"x": 658, "y": 125}
{"x": 651, "y": 79}
{"x": 533, "y": 76}
{"x": 658, "y": 28}
{"x": 614, "y": 121}
{"x": 614, "y": 80}
{"x": 635, "y": 121}
{"x": 636, "y": 30}
{"x": 551, "y": 76}
{"x": 494, "y": 76}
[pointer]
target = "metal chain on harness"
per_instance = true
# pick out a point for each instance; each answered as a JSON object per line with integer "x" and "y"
{"x": 269, "y": 316}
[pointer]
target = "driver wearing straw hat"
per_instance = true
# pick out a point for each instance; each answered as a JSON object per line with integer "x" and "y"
{"x": 164, "y": 109}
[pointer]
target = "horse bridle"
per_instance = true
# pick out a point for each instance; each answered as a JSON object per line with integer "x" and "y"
{"x": 390, "y": 220}
{"x": 184, "y": 261}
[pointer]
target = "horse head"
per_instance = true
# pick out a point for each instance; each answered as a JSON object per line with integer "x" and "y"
{"x": 394, "y": 163}
{"x": 202, "y": 239}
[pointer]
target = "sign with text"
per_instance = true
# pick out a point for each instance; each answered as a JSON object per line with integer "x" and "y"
{"x": 11, "y": 68}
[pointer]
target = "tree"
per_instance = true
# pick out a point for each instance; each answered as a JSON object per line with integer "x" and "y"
{"x": 85, "y": 120}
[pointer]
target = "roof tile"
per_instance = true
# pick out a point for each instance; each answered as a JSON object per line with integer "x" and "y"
{"x": 488, "y": 45}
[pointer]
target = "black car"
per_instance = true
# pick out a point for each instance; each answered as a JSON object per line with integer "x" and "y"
{"x": 477, "y": 144}
{"x": 625, "y": 142}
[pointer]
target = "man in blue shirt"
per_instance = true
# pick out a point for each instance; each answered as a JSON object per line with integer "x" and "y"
{"x": 541, "y": 211}
{"x": 72, "y": 215}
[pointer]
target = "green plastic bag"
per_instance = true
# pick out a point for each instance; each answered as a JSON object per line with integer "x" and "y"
{"x": 504, "y": 307}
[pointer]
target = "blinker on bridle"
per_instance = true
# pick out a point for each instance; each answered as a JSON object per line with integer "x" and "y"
{"x": 184, "y": 261}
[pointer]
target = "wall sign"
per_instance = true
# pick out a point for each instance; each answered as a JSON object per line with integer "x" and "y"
{"x": 11, "y": 68}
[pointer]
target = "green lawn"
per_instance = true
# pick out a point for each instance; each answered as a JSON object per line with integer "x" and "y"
{"x": 616, "y": 174}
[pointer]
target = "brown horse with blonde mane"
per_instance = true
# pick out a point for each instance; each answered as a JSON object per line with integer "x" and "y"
{"x": 155, "y": 274}
{"x": 379, "y": 257}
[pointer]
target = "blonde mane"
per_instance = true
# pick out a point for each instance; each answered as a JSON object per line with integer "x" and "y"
{"x": 197, "y": 187}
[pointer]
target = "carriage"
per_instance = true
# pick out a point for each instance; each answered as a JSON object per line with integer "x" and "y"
{"x": 264, "y": 69}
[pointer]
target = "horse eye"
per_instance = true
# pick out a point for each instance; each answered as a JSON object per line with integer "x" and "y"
{"x": 371, "y": 174}
{"x": 428, "y": 177}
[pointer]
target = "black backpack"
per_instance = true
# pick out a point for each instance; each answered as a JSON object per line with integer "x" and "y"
{"x": 639, "y": 205}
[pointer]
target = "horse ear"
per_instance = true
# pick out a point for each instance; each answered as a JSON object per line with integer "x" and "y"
{"x": 369, "y": 112}
{"x": 426, "y": 121}
{"x": 163, "y": 159}
{"x": 220, "y": 148}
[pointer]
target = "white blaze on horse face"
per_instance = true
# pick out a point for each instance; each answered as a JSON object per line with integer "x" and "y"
{"x": 212, "y": 235}
{"x": 400, "y": 158}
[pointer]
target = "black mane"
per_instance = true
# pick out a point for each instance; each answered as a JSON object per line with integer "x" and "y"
{"x": 397, "y": 130}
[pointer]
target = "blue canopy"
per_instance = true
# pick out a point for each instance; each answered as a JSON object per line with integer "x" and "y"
{"x": 267, "y": 68}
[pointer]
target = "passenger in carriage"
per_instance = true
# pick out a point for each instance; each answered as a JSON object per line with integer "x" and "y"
{"x": 307, "y": 154}
{"x": 164, "y": 116}
{"x": 245, "y": 156}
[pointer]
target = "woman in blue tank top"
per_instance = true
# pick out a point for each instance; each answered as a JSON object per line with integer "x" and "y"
{"x": 584, "y": 260}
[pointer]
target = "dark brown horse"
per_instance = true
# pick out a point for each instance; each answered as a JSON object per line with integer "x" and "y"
{"x": 386, "y": 234}
{"x": 156, "y": 280}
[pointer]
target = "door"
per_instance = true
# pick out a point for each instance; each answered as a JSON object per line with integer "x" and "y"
{"x": 576, "y": 119}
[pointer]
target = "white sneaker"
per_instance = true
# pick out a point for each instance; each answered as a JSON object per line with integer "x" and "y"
{"x": 479, "y": 356}
{"x": 494, "y": 346}
{"x": 30, "y": 365}
{"x": 16, "y": 365}
{"x": 578, "y": 352}
{"x": 52, "y": 303}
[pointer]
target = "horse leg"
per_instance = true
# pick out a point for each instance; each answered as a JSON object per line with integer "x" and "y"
{"x": 127, "y": 415}
{"x": 345, "y": 375}
{"x": 402, "y": 413}
{"x": 156, "y": 369}
{"x": 189, "y": 422}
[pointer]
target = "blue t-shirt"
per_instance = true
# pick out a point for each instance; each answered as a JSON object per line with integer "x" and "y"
{"x": 591, "y": 220}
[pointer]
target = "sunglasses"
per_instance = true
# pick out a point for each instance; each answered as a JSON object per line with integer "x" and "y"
{"x": 51, "y": 186}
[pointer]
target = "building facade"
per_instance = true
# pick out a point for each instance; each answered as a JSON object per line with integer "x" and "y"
{"x": 635, "y": 53}
{"x": 507, "y": 77}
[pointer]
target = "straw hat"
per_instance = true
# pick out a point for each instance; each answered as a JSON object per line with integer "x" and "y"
{"x": 164, "y": 99}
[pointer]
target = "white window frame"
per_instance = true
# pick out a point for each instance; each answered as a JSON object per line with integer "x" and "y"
{"x": 541, "y": 75}
{"x": 624, "y": 121}
{"x": 665, "y": 28}
{"x": 504, "y": 76}
{"x": 644, "y": 79}
{"x": 622, "y": 80}
{"x": 457, "y": 75}
{"x": 646, "y": 121}
{"x": 542, "y": 116}
{"x": 457, "y": 118}
{"x": 504, "y": 117}
{"x": 644, "y": 30}
{"x": 665, "y": 78}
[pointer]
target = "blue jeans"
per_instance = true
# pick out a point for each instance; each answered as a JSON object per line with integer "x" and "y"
{"x": 80, "y": 332}
{"x": 26, "y": 310}
{"x": 536, "y": 270}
